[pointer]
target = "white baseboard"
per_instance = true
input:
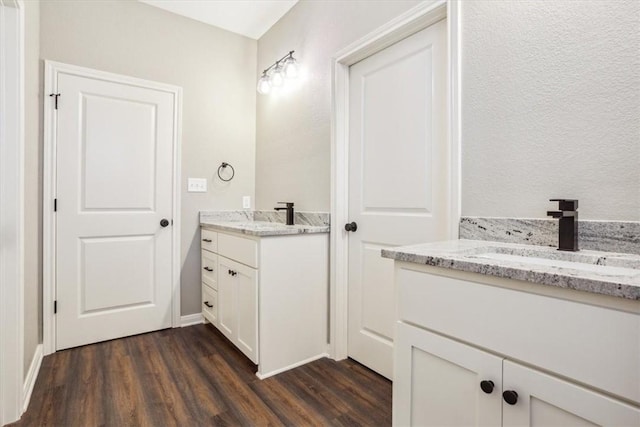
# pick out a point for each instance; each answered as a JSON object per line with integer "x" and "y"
{"x": 32, "y": 375}
{"x": 294, "y": 365}
{"x": 191, "y": 319}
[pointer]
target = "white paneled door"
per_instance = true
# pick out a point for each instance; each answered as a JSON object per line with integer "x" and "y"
{"x": 398, "y": 178}
{"x": 114, "y": 184}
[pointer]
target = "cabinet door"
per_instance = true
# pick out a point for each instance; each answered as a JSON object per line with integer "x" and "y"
{"x": 437, "y": 381}
{"x": 227, "y": 313}
{"x": 246, "y": 288}
{"x": 544, "y": 401}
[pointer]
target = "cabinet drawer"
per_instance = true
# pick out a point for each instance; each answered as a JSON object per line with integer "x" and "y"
{"x": 210, "y": 269}
{"x": 210, "y": 304}
{"x": 209, "y": 240}
{"x": 239, "y": 249}
{"x": 593, "y": 345}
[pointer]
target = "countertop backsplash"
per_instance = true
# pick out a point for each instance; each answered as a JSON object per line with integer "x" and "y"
{"x": 607, "y": 236}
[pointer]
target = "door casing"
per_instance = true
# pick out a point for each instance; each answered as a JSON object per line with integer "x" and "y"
{"x": 13, "y": 394}
{"x": 414, "y": 20}
{"x": 52, "y": 70}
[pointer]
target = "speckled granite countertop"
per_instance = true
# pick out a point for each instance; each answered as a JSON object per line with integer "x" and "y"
{"x": 605, "y": 273}
{"x": 264, "y": 228}
{"x": 264, "y": 223}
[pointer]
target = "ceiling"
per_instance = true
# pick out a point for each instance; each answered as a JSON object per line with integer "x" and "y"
{"x": 251, "y": 18}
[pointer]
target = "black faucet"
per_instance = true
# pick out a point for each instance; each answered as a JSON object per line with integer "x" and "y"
{"x": 289, "y": 210}
{"x": 568, "y": 214}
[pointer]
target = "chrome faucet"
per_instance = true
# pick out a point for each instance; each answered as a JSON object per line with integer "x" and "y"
{"x": 289, "y": 210}
{"x": 568, "y": 227}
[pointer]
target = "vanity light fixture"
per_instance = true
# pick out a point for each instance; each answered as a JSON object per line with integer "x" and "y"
{"x": 283, "y": 69}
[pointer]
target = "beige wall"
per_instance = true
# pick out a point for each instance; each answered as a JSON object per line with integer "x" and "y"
{"x": 293, "y": 144}
{"x": 216, "y": 70}
{"x": 32, "y": 188}
{"x": 551, "y": 107}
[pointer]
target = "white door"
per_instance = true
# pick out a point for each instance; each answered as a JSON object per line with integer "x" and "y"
{"x": 547, "y": 401}
{"x": 441, "y": 382}
{"x": 398, "y": 178}
{"x": 114, "y": 186}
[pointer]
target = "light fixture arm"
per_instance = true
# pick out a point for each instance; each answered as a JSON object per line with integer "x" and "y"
{"x": 275, "y": 64}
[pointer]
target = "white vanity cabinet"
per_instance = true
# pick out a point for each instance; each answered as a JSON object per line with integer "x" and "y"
{"x": 464, "y": 339}
{"x": 271, "y": 295}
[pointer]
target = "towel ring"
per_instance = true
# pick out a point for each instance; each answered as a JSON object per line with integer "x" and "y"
{"x": 222, "y": 167}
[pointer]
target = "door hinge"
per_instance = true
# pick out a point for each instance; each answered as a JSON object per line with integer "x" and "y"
{"x": 55, "y": 307}
{"x": 56, "y": 96}
{"x": 55, "y": 205}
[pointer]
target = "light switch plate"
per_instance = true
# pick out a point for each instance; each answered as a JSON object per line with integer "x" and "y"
{"x": 197, "y": 185}
{"x": 246, "y": 202}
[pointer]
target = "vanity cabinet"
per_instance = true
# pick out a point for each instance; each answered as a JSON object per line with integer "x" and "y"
{"x": 476, "y": 350}
{"x": 269, "y": 295}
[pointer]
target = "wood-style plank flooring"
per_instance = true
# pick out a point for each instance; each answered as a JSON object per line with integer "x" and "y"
{"x": 194, "y": 377}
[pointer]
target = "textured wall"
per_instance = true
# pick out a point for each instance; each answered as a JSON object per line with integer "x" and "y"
{"x": 32, "y": 187}
{"x": 215, "y": 68}
{"x": 293, "y": 144}
{"x": 551, "y": 107}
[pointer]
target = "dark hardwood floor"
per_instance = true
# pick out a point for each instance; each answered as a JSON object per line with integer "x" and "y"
{"x": 194, "y": 377}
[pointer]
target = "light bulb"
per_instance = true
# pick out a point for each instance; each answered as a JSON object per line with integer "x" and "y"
{"x": 277, "y": 78}
{"x": 264, "y": 84}
{"x": 291, "y": 68}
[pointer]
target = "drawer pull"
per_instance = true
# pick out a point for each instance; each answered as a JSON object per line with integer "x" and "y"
{"x": 208, "y": 269}
{"x": 207, "y": 304}
{"x": 510, "y": 396}
{"x": 487, "y": 386}
{"x": 231, "y": 272}
{"x": 206, "y": 240}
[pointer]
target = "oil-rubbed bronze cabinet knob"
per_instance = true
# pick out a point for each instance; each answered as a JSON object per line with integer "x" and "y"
{"x": 487, "y": 386}
{"x": 510, "y": 396}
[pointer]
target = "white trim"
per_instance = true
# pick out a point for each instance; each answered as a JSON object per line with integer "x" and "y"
{"x": 414, "y": 20}
{"x": 11, "y": 208}
{"x": 32, "y": 376}
{"x": 52, "y": 69}
{"x": 294, "y": 365}
{"x": 191, "y": 319}
{"x": 454, "y": 72}
{"x": 176, "y": 265}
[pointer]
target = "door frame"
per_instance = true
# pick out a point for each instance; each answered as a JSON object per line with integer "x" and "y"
{"x": 51, "y": 72}
{"x": 12, "y": 145}
{"x": 416, "y": 19}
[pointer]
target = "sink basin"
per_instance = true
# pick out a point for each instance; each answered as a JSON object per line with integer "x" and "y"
{"x": 615, "y": 265}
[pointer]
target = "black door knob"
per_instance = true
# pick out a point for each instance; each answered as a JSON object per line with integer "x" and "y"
{"x": 510, "y": 396}
{"x": 352, "y": 226}
{"x": 487, "y": 386}
{"x": 164, "y": 222}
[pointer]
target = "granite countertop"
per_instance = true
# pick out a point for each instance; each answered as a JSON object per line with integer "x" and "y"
{"x": 606, "y": 273}
{"x": 265, "y": 223}
{"x": 263, "y": 228}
